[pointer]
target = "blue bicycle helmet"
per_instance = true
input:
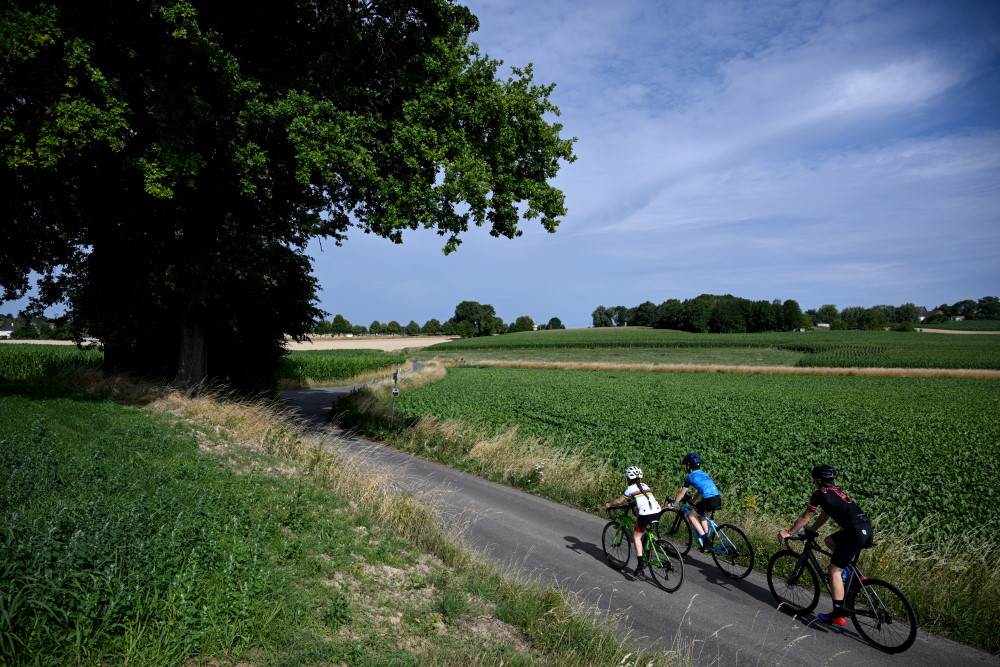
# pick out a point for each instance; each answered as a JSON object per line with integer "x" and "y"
{"x": 691, "y": 458}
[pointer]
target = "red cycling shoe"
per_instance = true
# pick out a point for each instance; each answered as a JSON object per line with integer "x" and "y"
{"x": 832, "y": 620}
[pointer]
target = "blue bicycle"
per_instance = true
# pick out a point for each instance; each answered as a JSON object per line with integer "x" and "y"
{"x": 729, "y": 546}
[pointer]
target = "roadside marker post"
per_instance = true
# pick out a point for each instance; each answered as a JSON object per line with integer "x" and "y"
{"x": 395, "y": 393}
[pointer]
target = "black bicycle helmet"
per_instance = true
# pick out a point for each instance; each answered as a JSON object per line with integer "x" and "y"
{"x": 824, "y": 473}
{"x": 691, "y": 459}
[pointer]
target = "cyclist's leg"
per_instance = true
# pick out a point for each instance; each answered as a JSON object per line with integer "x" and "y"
{"x": 845, "y": 546}
{"x": 637, "y": 540}
{"x": 694, "y": 518}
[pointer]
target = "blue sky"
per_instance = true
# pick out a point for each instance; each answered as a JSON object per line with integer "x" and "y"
{"x": 829, "y": 152}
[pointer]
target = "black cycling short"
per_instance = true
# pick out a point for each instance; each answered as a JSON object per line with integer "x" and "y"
{"x": 706, "y": 505}
{"x": 847, "y": 542}
{"x": 645, "y": 520}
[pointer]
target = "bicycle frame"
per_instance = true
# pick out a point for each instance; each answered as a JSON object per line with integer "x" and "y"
{"x": 626, "y": 526}
{"x": 713, "y": 527}
{"x": 809, "y": 555}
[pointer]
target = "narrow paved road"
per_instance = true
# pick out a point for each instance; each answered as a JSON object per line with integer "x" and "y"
{"x": 721, "y": 622}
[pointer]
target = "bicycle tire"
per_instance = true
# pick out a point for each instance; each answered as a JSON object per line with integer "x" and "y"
{"x": 784, "y": 578}
{"x": 877, "y": 625}
{"x": 680, "y": 533}
{"x": 667, "y": 566}
{"x": 734, "y": 565}
{"x": 616, "y": 555}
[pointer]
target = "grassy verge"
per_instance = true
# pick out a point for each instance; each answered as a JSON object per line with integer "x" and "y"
{"x": 197, "y": 529}
{"x": 954, "y": 586}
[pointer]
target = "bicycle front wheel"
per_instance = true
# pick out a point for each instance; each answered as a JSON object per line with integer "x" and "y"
{"x": 793, "y": 582}
{"x": 617, "y": 545}
{"x": 882, "y": 615}
{"x": 666, "y": 565}
{"x": 679, "y": 533}
{"x": 732, "y": 551}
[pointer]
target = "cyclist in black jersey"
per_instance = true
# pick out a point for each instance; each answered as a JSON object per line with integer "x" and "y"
{"x": 854, "y": 535}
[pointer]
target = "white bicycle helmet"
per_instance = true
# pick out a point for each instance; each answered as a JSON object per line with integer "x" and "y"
{"x": 633, "y": 473}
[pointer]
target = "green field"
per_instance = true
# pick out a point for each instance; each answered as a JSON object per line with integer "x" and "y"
{"x": 723, "y": 356}
{"x": 966, "y": 325}
{"x": 126, "y": 539}
{"x": 21, "y": 362}
{"x": 908, "y": 447}
{"x": 818, "y": 348}
{"x": 329, "y": 365}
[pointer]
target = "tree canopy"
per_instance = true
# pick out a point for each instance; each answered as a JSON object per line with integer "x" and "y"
{"x": 166, "y": 162}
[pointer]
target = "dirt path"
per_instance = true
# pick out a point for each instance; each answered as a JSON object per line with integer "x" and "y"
{"x": 384, "y": 343}
{"x": 718, "y": 368}
{"x": 959, "y": 331}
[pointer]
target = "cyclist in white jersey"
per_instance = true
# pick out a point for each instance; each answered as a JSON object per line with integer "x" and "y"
{"x": 640, "y": 498}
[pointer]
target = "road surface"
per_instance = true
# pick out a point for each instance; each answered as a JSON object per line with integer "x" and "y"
{"x": 720, "y": 621}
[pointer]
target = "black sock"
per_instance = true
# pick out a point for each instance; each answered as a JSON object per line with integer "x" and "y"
{"x": 838, "y": 609}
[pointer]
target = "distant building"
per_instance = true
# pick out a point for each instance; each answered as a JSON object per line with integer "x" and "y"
{"x": 822, "y": 325}
{"x": 958, "y": 318}
{"x": 6, "y": 331}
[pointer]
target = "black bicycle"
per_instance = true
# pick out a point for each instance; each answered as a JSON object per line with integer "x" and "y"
{"x": 879, "y": 611}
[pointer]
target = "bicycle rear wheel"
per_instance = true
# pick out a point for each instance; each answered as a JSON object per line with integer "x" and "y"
{"x": 679, "y": 532}
{"x": 793, "y": 583}
{"x": 882, "y": 615}
{"x": 732, "y": 551}
{"x": 617, "y": 545}
{"x": 666, "y": 565}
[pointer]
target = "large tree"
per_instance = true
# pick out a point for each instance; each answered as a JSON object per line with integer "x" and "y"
{"x": 164, "y": 163}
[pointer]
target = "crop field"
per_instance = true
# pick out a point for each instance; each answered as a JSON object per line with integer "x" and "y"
{"x": 325, "y": 365}
{"x": 27, "y": 362}
{"x": 966, "y": 325}
{"x": 919, "y": 450}
{"x": 870, "y": 349}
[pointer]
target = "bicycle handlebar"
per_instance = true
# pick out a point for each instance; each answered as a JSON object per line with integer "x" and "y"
{"x": 803, "y": 536}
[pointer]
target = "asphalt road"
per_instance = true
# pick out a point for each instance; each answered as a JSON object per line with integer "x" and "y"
{"x": 717, "y": 620}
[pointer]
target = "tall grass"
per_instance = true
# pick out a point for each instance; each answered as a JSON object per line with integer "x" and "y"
{"x": 317, "y": 367}
{"x": 23, "y": 362}
{"x": 954, "y": 586}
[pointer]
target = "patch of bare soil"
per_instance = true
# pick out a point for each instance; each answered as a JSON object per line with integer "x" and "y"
{"x": 715, "y": 368}
{"x": 384, "y": 343}
{"x": 959, "y": 331}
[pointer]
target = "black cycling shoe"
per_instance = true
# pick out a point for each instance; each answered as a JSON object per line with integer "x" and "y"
{"x": 639, "y": 570}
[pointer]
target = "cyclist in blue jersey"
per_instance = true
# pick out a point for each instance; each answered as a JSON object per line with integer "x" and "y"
{"x": 709, "y": 501}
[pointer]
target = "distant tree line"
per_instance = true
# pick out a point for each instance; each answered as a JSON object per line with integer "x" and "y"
{"x": 709, "y": 313}
{"x": 34, "y": 328}
{"x": 987, "y": 308}
{"x": 706, "y": 313}
{"x": 471, "y": 319}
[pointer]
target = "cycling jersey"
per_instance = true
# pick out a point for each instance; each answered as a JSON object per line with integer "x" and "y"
{"x": 839, "y": 506}
{"x": 643, "y": 498}
{"x": 700, "y": 480}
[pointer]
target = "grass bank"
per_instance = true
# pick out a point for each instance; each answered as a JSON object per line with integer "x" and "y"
{"x": 143, "y": 525}
{"x": 954, "y": 585}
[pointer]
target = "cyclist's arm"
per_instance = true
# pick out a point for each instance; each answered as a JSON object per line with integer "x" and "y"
{"x": 797, "y": 526}
{"x": 823, "y": 517}
{"x": 620, "y": 501}
{"x": 680, "y": 496}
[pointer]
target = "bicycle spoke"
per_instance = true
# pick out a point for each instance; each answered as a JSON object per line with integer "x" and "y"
{"x": 883, "y": 616}
{"x": 794, "y": 584}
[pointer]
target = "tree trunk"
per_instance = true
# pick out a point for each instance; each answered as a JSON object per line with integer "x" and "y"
{"x": 192, "y": 359}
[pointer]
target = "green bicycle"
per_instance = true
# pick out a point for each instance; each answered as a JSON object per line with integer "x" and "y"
{"x": 665, "y": 563}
